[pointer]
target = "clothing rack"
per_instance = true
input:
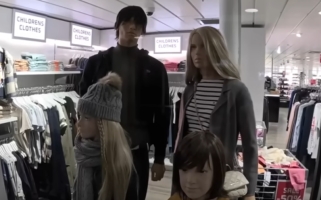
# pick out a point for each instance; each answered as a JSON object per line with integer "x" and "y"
{"x": 6, "y": 138}
{"x": 303, "y": 127}
{"x": 177, "y": 84}
{"x": 44, "y": 90}
{"x": 316, "y": 187}
{"x": 45, "y": 138}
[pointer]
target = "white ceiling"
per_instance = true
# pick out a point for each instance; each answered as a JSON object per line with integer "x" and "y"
{"x": 169, "y": 15}
{"x": 294, "y": 16}
{"x": 281, "y": 19}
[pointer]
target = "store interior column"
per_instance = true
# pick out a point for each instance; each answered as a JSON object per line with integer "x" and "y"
{"x": 230, "y": 24}
{"x": 253, "y": 66}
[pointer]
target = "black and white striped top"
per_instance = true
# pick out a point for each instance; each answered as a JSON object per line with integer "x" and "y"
{"x": 207, "y": 94}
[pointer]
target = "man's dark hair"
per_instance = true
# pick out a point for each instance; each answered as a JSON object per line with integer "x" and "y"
{"x": 128, "y": 13}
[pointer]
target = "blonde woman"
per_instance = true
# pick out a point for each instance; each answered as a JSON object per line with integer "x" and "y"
{"x": 103, "y": 155}
{"x": 216, "y": 100}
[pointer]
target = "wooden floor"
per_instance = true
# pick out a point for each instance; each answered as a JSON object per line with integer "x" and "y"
{"x": 160, "y": 190}
{"x": 277, "y": 137}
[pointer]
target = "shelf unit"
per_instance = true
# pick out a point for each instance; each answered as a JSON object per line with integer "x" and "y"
{"x": 8, "y": 120}
{"x": 168, "y": 72}
{"x": 47, "y": 73}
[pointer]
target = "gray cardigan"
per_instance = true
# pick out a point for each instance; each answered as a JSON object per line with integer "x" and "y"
{"x": 233, "y": 114}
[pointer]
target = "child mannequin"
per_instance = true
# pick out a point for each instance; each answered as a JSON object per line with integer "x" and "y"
{"x": 103, "y": 155}
{"x": 201, "y": 168}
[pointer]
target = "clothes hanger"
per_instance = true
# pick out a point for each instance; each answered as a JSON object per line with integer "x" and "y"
{"x": 57, "y": 98}
{"x": 35, "y": 98}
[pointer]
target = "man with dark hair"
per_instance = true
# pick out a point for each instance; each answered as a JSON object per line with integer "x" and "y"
{"x": 146, "y": 112}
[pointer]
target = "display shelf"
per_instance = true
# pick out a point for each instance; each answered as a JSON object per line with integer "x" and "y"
{"x": 8, "y": 119}
{"x": 168, "y": 72}
{"x": 47, "y": 73}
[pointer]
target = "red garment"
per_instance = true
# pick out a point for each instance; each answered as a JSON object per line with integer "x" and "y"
{"x": 171, "y": 66}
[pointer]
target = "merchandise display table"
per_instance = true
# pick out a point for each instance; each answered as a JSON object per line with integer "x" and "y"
{"x": 260, "y": 134}
{"x": 274, "y": 107}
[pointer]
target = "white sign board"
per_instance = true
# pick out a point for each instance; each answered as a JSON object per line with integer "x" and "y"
{"x": 81, "y": 36}
{"x": 168, "y": 45}
{"x": 28, "y": 26}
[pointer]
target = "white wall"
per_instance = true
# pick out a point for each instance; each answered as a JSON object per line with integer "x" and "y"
{"x": 55, "y": 37}
{"x": 253, "y": 65}
{"x": 148, "y": 40}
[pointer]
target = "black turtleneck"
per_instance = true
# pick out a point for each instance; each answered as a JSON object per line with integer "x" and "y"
{"x": 124, "y": 64}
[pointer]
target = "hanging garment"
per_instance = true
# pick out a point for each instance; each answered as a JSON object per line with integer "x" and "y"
{"x": 67, "y": 144}
{"x": 7, "y": 180}
{"x": 60, "y": 188}
{"x": 27, "y": 185}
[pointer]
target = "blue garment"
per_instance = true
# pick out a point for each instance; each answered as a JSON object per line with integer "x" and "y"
{"x": 30, "y": 56}
{"x": 59, "y": 186}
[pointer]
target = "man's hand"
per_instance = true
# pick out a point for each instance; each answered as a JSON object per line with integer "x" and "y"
{"x": 158, "y": 172}
{"x": 249, "y": 198}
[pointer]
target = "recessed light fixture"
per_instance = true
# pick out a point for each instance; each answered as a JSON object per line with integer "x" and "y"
{"x": 320, "y": 13}
{"x": 278, "y": 50}
{"x": 298, "y": 35}
{"x": 251, "y": 10}
{"x": 307, "y": 57}
{"x": 308, "y": 60}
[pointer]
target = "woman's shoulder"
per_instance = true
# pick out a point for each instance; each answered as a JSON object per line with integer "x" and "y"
{"x": 235, "y": 84}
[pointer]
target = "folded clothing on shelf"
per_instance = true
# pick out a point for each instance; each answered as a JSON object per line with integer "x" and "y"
{"x": 31, "y": 56}
{"x": 71, "y": 67}
{"x": 181, "y": 66}
{"x": 55, "y": 65}
{"x": 171, "y": 66}
{"x": 6, "y": 109}
{"x": 37, "y": 62}
{"x": 21, "y": 65}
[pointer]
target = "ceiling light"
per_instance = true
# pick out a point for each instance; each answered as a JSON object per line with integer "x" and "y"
{"x": 308, "y": 60}
{"x": 320, "y": 13}
{"x": 251, "y": 10}
{"x": 307, "y": 57}
{"x": 278, "y": 50}
{"x": 298, "y": 35}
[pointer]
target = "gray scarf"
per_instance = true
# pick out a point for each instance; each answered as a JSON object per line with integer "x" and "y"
{"x": 88, "y": 155}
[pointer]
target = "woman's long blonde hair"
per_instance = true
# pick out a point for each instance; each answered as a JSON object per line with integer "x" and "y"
{"x": 117, "y": 161}
{"x": 217, "y": 53}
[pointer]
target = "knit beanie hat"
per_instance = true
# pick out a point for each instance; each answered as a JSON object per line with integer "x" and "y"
{"x": 103, "y": 100}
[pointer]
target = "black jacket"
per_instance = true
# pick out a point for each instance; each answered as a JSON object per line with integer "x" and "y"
{"x": 152, "y": 93}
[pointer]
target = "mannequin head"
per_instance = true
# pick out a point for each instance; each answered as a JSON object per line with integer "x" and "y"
{"x": 200, "y": 167}
{"x": 100, "y": 110}
{"x": 130, "y": 24}
{"x": 207, "y": 56}
{"x": 87, "y": 127}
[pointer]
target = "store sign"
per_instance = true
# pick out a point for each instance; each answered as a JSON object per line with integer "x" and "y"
{"x": 285, "y": 191}
{"x": 168, "y": 44}
{"x": 26, "y": 26}
{"x": 81, "y": 36}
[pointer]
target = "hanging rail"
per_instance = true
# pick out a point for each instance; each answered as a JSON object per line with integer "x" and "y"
{"x": 44, "y": 90}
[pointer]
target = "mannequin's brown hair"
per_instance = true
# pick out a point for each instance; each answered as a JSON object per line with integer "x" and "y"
{"x": 195, "y": 150}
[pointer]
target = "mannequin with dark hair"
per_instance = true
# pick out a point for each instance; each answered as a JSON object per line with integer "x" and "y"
{"x": 200, "y": 167}
{"x": 145, "y": 114}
